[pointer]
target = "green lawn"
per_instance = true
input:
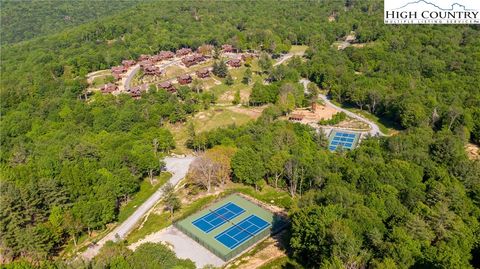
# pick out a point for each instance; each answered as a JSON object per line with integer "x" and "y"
{"x": 218, "y": 117}
{"x": 203, "y": 121}
{"x": 100, "y": 81}
{"x": 298, "y": 49}
{"x": 268, "y": 194}
{"x": 387, "y": 127}
{"x": 146, "y": 190}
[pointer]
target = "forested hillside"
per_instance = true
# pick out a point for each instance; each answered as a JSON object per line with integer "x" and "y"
{"x": 408, "y": 201}
{"x": 23, "y": 20}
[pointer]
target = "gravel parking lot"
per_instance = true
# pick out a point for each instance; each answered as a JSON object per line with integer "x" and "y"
{"x": 184, "y": 247}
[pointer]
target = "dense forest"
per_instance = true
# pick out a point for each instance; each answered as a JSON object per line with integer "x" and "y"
{"x": 408, "y": 201}
{"x": 411, "y": 200}
{"x": 23, "y": 20}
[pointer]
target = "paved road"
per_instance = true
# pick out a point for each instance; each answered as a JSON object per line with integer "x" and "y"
{"x": 286, "y": 57}
{"x": 179, "y": 168}
{"x": 374, "y": 129}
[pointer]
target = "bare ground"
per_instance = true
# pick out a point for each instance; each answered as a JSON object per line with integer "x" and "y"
{"x": 322, "y": 112}
{"x": 253, "y": 112}
{"x": 473, "y": 151}
{"x": 272, "y": 248}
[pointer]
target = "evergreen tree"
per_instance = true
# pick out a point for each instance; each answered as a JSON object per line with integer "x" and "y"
{"x": 220, "y": 69}
{"x": 247, "y": 76}
{"x": 229, "y": 80}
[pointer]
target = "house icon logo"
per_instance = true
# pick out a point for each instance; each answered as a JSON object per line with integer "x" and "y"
{"x": 432, "y": 11}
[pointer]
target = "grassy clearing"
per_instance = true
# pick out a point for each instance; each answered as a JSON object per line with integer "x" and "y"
{"x": 146, "y": 190}
{"x": 205, "y": 121}
{"x": 157, "y": 222}
{"x": 100, "y": 80}
{"x": 173, "y": 71}
{"x": 218, "y": 117}
{"x": 298, "y": 49}
{"x": 268, "y": 194}
{"x": 388, "y": 127}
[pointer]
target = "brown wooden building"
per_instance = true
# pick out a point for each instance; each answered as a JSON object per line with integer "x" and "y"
{"x": 152, "y": 70}
{"x": 234, "y": 62}
{"x": 165, "y": 55}
{"x": 227, "y": 48}
{"x": 128, "y": 63}
{"x": 296, "y": 117}
{"x": 167, "y": 85}
{"x": 109, "y": 88}
{"x": 144, "y": 57}
{"x": 136, "y": 92}
{"x": 203, "y": 73}
{"x": 184, "y": 79}
{"x": 189, "y": 60}
{"x": 119, "y": 69}
{"x": 183, "y": 51}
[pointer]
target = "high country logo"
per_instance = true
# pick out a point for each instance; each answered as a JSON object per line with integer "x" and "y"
{"x": 432, "y": 12}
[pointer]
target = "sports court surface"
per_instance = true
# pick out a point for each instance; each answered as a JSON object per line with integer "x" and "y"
{"x": 345, "y": 140}
{"x": 230, "y": 226}
{"x": 218, "y": 217}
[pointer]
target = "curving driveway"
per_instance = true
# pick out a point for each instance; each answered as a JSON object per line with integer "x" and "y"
{"x": 374, "y": 129}
{"x": 178, "y": 166}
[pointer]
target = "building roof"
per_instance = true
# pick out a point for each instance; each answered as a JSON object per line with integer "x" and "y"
{"x": 185, "y": 77}
{"x": 165, "y": 84}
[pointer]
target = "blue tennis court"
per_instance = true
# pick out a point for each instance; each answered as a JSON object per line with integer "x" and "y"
{"x": 217, "y": 217}
{"x": 244, "y": 230}
{"x": 343, "y": 139}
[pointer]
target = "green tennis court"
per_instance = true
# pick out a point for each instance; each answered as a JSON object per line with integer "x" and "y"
{"x": 230, "y": 226}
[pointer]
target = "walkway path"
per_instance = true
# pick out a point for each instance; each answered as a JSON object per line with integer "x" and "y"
{"x": 175, "y": 165}
{"x": 374, "y": 129}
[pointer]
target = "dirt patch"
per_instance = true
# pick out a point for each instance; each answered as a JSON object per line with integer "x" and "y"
{"x": 321, "y": 112}
{"x": 473, "y": 151}
{"x": 351, "y": 123}
{"x": 272, "y": 248}
{"x": 228, "y": 96}
{"x": 253, "y": 112}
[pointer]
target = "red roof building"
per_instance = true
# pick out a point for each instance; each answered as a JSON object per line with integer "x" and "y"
{"x": 234, "y": 62}
{"x": 189, "y": 60}
{"x": 199, "y": 57}
{"x": 152, "y": 70}
{"x": 156, "y": 58}
{"x": 128, "y": 63}
{"x": 184, "y": 79}
{"x": 136, "y": 92}
{"x": 109, "y": 88}
{"x": 227, "y": 48}
{"x": 145, "y": 63}
{"x": 119, "y": 69}
{"x": 144, "y": 57}
{"x": 203, "y": 73}
{"x": 167, "y": 85}
{"x": 166, "y": 54}
{"x": 184, "y": 51}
